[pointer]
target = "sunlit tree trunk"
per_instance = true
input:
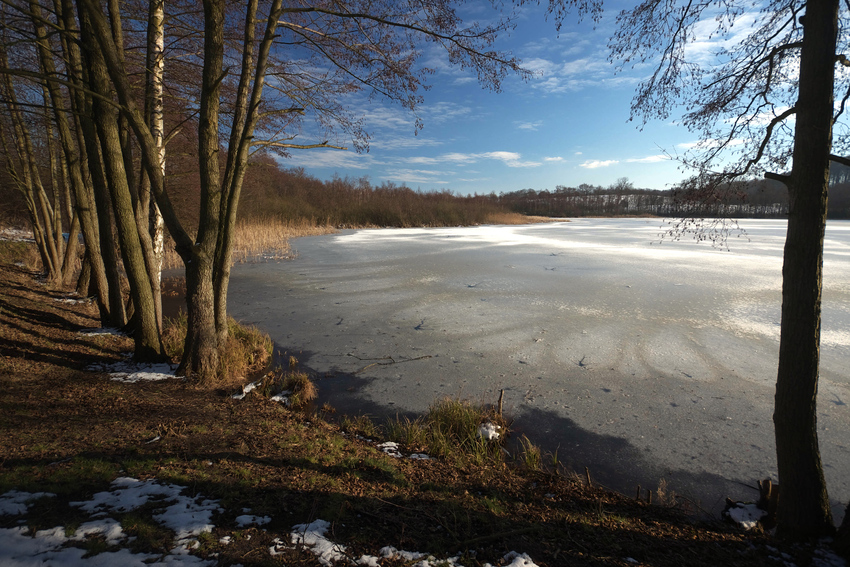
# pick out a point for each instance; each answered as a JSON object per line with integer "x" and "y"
{"x": 147, "y": 211}
{"x": 148, "y": 343}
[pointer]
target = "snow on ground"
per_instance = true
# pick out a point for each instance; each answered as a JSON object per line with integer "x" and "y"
{"x": 314, "y": 536}
{"x": 489, "y": 431}
{"x": 186, "y": 516}
{"x": 128, "y": 371}
{"x": 16, "y": 234}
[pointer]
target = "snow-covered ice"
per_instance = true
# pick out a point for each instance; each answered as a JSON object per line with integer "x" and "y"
{"x": 624, "y": 353}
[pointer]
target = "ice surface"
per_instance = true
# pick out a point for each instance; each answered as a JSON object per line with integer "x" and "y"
{"x": 637, "y": 358}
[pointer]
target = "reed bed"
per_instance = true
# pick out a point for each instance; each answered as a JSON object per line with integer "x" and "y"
{"x": 260, "y": 240}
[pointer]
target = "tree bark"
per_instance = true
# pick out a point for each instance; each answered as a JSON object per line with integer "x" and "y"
{"x": 148, "y": 342}
{"x": 82, "y": 193}
{"x": 148, "y": 211}
{"x": 249, "y": 95}
{"x": 804, "y": 506}
{"x": 200, "y": 354}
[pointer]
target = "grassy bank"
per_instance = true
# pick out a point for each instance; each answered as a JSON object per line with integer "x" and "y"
{"x": 72, "y": 432}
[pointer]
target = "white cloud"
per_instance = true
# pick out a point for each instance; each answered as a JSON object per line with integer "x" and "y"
{"x": 334, "y": 159}
{"x": 533, "y": 126}
{"x": 402, "y": 141}
{"x": 595, "y": 163}
{"x": 541, "y": 67}
{"x": 649, "y": 159}
{"x": 707, "y": 42}
{"x": 411, "y": 176}
{"x": 579, "y": 153}
{"x": 510, "y": 159}
{"x": 553, "y": 159}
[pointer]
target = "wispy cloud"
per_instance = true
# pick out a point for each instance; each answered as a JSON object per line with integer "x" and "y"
{"x": 403, "y": 141}
{"x": 332, "y": 159}
{"x": 410, "y": 176}
{"x": 707, "y": 42}
{"x": 595, "y": 163}
{"x": 553, "y": 159}
{"x": 510, "y": 159}
{"x": 533, "y": 126}
{"x": 649, "y": 159}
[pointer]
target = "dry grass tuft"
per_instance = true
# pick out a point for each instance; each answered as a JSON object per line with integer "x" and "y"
{"x": 21, "y": 253}
{"x": 450, "y": 430}
{"x": 248, "y": 350}
{"x": 513, "y": 218}
{"x": 302, "y": 388}
{"x": 530, "y": 455}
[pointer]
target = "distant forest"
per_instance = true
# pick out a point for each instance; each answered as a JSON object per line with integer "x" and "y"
{"x": 292, "y": 195}
{"x": 751, "y": 199}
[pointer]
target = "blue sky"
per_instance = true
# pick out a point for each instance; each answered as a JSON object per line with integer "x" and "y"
{"x": 568, "y": 125}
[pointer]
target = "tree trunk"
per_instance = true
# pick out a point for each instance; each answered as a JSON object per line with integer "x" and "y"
{"x": 804, "y": 506}
{"x": 200, "y": 355}
{"x": 82, "y": 193}
{"x": 148, "y": 342}
{"x": 248, "y": 96}
{"x": 154, "y": 112}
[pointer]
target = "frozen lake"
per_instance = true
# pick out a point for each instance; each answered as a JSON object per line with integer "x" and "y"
{"x": 637, "y": 358}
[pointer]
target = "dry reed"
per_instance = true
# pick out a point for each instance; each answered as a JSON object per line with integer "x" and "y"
{"x": 259, "y": 240}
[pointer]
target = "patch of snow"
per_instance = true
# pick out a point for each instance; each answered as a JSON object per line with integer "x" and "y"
{"x": 745, "y": 515}
{"x": 110, "y": 529}
{"x": 70, "y": 300}
{"x": 130, "y": 372}
{"x": 488, "y": 431}
{"x": 103, "y": 331}
{"x": 313, "y": 535}
{"x": 390, "y": 552}
{"x": 186, "y": 516}
{"x": 418, "y": 456}
{"x": 390, "y": 448}
{"x": 246, "y": 389}
{"x": 282, "y": 397}
{"x": 16, "y": 234}
{"x": 517, "y": 560}
{"x": 15, "y": 503}
{"x": 249, "y": 520}
{"x": 825, "y": 557}
{"x": 277, "y": 547}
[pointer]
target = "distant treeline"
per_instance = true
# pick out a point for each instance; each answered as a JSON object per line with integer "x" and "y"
{"x": 751, "y": 199}
{"x": 294, "y": 195}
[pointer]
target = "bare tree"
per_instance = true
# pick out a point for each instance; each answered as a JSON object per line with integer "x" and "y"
{"x": 763, "y": 106}
{"x": 284, "y": 63}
